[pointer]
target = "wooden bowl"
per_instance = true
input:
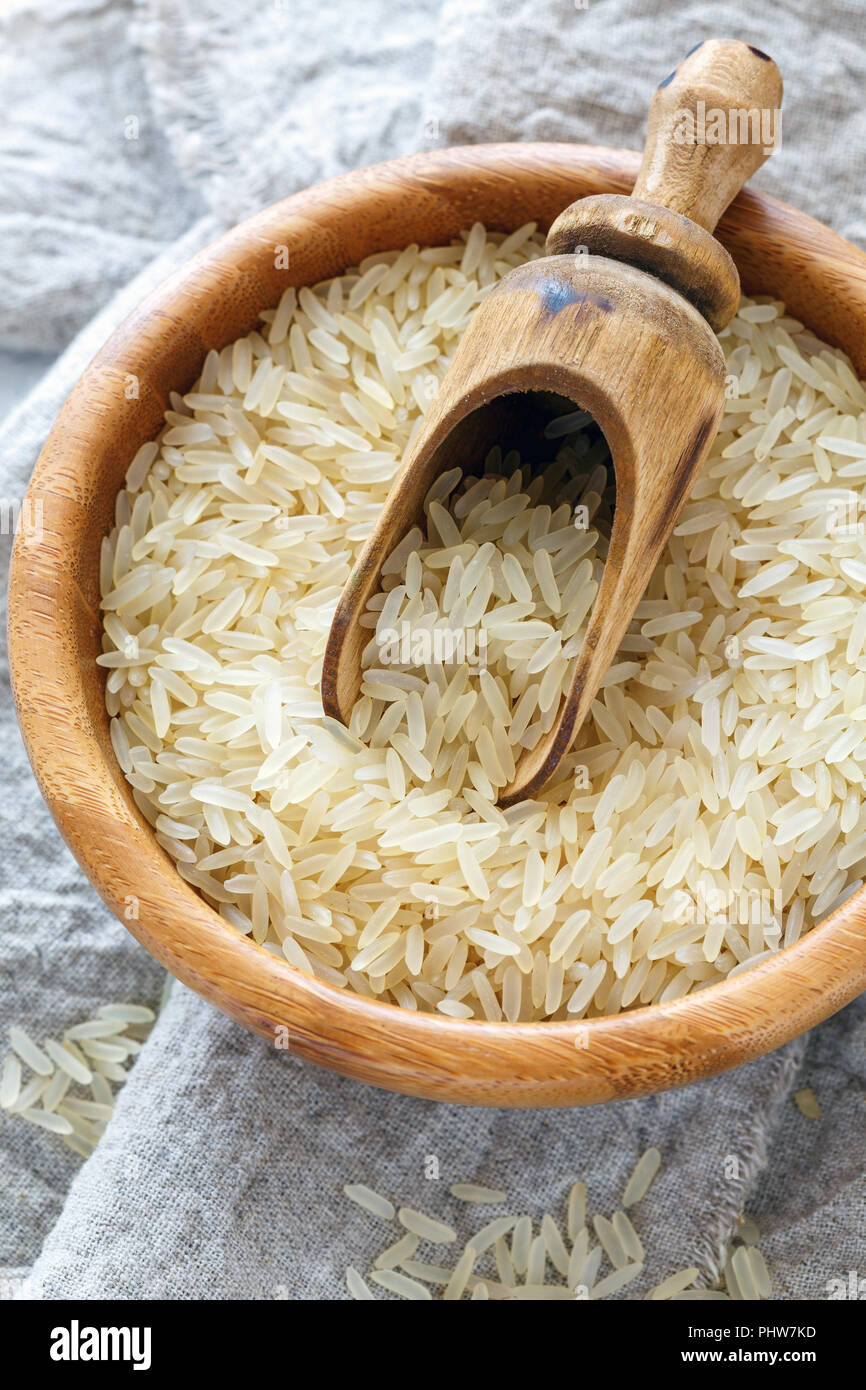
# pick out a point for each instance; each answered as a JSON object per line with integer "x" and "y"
{"x": 54, "y": 636}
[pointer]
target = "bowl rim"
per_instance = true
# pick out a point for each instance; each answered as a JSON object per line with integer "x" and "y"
{"x": 643, "y": 1050}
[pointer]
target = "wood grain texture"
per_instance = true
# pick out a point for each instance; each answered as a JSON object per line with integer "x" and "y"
{"x": 616, "y": 317}
{"x": 703, "y": 143}
{"x": 712, "y": 124}
{"x": 54, "y": 632}
{"x": 614, "y": 341}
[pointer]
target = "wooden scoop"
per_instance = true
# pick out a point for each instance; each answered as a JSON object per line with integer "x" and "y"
{"x": 619, "y": 317}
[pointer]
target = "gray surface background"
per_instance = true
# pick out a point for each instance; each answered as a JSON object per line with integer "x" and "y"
{"x": 220, "y": 1174}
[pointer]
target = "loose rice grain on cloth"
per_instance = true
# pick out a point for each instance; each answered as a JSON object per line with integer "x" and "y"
{"x": 250, "y": 1149}
{"x": 245, "y": 1150}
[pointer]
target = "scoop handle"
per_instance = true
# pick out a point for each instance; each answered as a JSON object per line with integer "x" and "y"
{"x": 712, "y": 123}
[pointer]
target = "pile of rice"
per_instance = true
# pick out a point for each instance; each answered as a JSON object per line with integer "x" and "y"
{"x": 507, "y": 1258}
{"x": 711, "y": 810}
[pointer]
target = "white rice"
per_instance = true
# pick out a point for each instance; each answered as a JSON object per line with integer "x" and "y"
{"x": 491, "y": 1233}
{"x": 460, "y": 1278}
{"x": 400, "y": 1284}
{"x": 58, "y": 1124}
{"x": 612, "y": 1283}
{"x": 35, "y": 1057}
{"x": 476, "y": 1192}
{"x": 645, "y": 1170}
{"x": 371, "y": 1201}
{"x": 70, "y": 1092}
{"x": 539, "y": 1263}
{"x": 66, "y": 1059}
{"x": 711, "y": 811}
{"x": 610, "y": 1242}
{"x": 396, "y": 1254}
{"x": 425, "y": 1227}
{"x": 576, "y": 1209}
{"x": 627, "y": 1236}
{"x": 674, "y": 1284}
{"x": 10, "y": 1085}
{"x": 357, "y": 1286}
{"x": 807, "y": 1103}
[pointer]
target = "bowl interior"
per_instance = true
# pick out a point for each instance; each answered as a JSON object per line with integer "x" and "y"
{"x": 55, "y": 631}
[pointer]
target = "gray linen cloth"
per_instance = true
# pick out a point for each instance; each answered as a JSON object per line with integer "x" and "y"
{"x": 220, "y": 1174}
